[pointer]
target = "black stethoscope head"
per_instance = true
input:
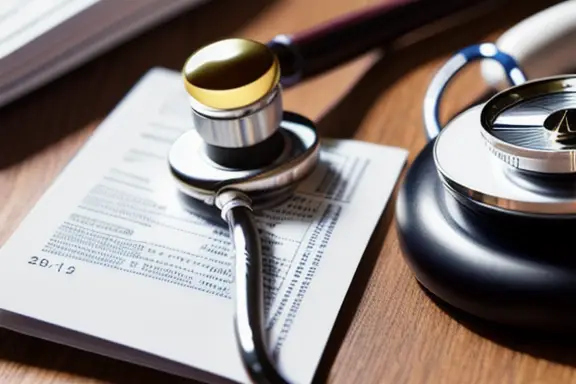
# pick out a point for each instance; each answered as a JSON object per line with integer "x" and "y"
{"x": 485, "y": 214}
{"x": 514, "y": 154}
{"x": 242, "y": 139}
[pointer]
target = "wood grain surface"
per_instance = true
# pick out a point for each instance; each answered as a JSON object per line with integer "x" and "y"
{"x": 389, "y": 330}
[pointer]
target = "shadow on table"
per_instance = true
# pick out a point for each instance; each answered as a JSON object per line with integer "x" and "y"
{"x": 550, "y": 345}
{"x": 66, "y": 361}
{"x": 45, "y": 116}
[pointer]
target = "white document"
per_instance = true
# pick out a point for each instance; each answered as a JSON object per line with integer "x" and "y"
{"x": 110, "y": 260}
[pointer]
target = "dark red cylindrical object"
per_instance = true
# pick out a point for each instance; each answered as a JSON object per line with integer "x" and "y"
{"x": 310, "y": 52}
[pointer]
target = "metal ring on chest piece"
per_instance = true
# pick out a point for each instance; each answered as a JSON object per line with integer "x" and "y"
{"x": 515, "y": 153}
{"x": 202, "y": 179}
{"x": 245, "y": 126}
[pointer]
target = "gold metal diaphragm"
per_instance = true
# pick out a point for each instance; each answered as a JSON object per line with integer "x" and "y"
{"x": 231, "y": 73}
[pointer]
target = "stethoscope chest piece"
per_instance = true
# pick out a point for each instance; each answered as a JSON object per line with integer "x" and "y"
{"x": 487, "y": 211}
{"x": 242, "y": 139}
{"x": 517, "y": 152}
{"x": 243, "y": 153}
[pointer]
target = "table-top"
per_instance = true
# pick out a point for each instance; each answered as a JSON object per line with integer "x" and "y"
{"x": 389, "y": 330}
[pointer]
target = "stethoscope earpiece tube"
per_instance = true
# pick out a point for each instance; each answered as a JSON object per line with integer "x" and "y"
{"x": 249, "y": 324}
{"x": 456, "y": 63}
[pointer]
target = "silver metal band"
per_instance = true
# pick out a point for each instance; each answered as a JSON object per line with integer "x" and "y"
{"x": 239, "y": 127}
{"x": 229, "y": 199}
{"x": 470, "y": 170}
{"x": 513, "y": 125}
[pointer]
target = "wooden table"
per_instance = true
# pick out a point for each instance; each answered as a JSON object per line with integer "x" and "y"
{"x": 389, "y": 331}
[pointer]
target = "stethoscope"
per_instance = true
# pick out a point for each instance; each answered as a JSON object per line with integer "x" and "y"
{"x": 246, "y": 153}
{"x": 486, "y": 213}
